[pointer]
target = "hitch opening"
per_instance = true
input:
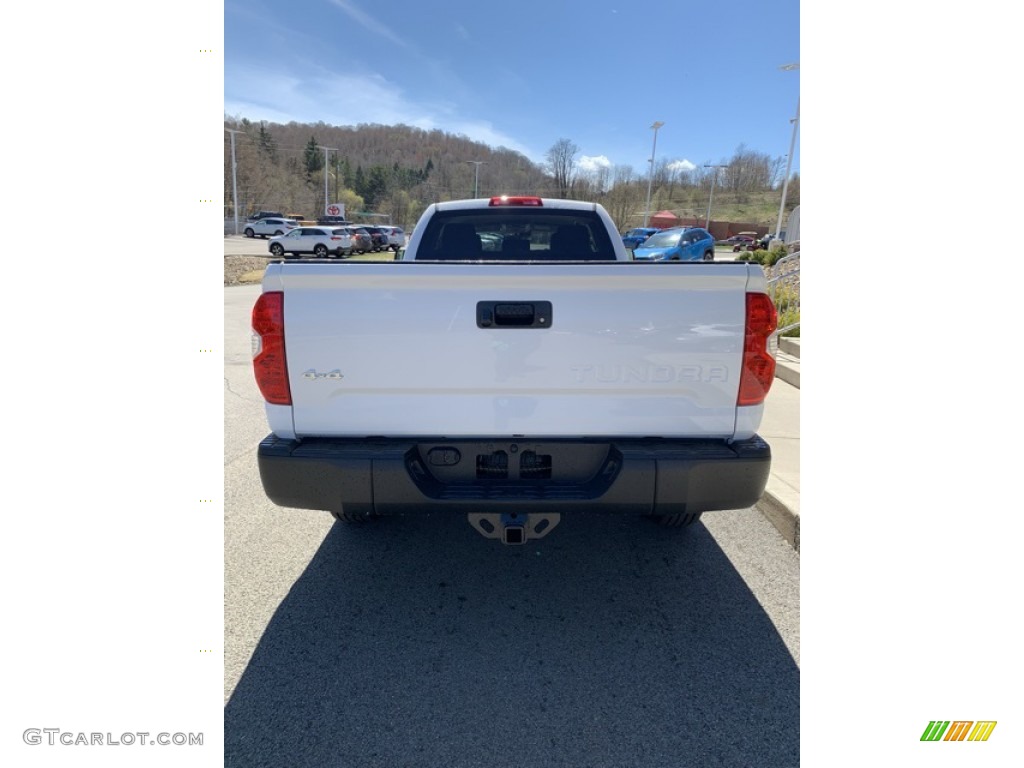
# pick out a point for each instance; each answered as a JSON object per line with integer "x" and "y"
{"x": 513, "y": 528}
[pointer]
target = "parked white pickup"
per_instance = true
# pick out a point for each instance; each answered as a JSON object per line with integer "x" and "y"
{"x": 515, "y": 365}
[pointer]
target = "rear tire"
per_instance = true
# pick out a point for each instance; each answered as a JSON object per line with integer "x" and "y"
{"x": 681, "y": 520}
{"x": 320, "y": 251}
{"x": 277, "y": 249}
{"x": 709, "y": 256}
{"x": 249, "y": 232}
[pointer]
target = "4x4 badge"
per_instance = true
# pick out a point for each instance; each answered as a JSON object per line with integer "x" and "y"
{"x": 312, "y": 375}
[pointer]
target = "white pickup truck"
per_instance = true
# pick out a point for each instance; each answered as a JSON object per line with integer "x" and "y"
{"x": 514, "y": 365}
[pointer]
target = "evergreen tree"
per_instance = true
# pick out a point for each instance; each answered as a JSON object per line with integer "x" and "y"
{"x": 266, "y": 142}
{"x": 359, "y": 182}
{"x": 313, "y": 157}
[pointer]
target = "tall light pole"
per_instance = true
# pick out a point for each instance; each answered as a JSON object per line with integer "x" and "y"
{"x": 647, "y": 208}
{"x": 789, "y": 162}
{"x": 476, "y": 176}
{"x": 327, "y": 200}
{"x": 234, "y": 177}
{"x": 707, "y": 221}
{"x": 650, "y": 178}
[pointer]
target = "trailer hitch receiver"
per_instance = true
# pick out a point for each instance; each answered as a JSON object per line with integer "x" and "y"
{"x": 513, "y": 527}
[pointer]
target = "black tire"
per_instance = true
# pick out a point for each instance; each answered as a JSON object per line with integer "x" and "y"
{"x": 277, "y": 249}
{"x": 681, "y": 520}
{"x": 249, "y": 232}
{"x": 320, "y": 251}
{"x": 709, "y": 255}
{"x": 278, "y": 233}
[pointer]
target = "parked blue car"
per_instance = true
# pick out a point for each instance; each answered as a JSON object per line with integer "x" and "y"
{"x": 677, "y": 244}
{"x": 634, "y": 237}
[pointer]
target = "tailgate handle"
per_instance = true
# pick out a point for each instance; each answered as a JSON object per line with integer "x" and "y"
{"x": 513, "y": 314}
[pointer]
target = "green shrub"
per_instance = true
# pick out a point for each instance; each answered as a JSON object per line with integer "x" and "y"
{"x": 771, "y": 258}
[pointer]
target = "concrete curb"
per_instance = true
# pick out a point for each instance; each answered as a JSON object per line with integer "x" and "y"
{"x": 782, "y": 515}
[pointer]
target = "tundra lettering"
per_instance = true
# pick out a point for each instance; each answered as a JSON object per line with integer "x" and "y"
{"x": 649, "y": 374}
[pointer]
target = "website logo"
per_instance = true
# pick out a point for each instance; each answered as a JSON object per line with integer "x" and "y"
{"x": 958, "y": 730}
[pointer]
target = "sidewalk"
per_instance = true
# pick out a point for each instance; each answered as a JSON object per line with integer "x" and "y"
{"x": 780, "y": 427}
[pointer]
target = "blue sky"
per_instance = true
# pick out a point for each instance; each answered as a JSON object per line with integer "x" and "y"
{"x": 523, "y": 75}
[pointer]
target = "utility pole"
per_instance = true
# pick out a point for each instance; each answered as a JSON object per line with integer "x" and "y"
{"x": 789, "y": 162}
{"x": 234, "y": 177}
{"x": 326, "y": 193}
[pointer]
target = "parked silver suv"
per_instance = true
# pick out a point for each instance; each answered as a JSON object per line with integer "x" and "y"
{"x": 396, "y": 238}
{"x": 269, "y": 227}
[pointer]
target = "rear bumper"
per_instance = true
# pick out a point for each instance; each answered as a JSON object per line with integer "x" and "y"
{"x": 396, "y": 476}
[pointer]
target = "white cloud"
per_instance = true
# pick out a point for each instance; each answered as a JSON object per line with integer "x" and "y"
{"x": 681, "y": 165}
{"x": 348, "y": 98}
{"x": 592, "y": 164}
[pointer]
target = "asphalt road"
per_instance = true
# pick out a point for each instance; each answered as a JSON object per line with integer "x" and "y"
{"x": 417, "y": 642}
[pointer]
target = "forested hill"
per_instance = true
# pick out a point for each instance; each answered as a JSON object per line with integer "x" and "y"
{"x": 397, "y": 170}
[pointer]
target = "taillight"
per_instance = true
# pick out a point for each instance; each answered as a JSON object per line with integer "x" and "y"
{"x": 268, "y": 356}
{"x": 758, "y": 363}
{"x": 520, "y": 200}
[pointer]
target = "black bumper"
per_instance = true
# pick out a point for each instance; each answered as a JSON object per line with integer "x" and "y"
{"x": 396, "y": 476}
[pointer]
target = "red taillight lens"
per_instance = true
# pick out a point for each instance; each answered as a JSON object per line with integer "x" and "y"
{"x": 269, "y": 362}
{"x": 758, "y": 363}
{"x": 520, "y": 200}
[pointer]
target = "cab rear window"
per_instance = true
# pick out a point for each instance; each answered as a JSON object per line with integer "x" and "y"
{"x": 516, "y": 234}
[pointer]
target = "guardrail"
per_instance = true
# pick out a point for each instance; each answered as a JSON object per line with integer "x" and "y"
{"x": 784, "y": 289}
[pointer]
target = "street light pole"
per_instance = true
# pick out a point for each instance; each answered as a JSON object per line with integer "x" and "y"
{"x": 476, "y": 176}
{"x": 707, "y": 221}
{"x": 234, "y": 177}
{"x": 650, "y": 178}
{"x": 789, "y": 161}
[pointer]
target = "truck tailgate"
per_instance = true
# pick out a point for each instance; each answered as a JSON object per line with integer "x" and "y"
{"x": 415, "y": 349}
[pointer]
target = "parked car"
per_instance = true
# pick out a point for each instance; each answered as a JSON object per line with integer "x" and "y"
{"x": 634, "y": 237}
{"x": 740, "y": 239}
{"x": 396, "y": 238}
{"x": 265, "y": 215}
{"x": 380, "y": 238}
{"x": 677, "y": 244}
{"x": 321, "y": 242}
{"x": 269, "y": 227}
{"x": 362, "y": 240}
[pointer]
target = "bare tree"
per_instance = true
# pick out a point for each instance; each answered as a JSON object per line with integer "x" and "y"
{"x": 562, "y": 163}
